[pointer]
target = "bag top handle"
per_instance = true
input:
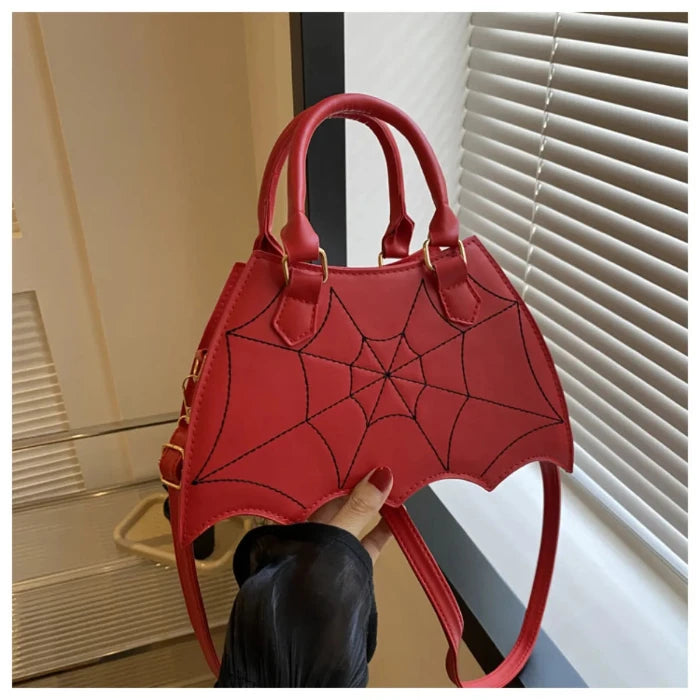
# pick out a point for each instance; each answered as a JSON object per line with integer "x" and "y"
{"x": 298, "y": 236}
{"x": 397, "y": 238}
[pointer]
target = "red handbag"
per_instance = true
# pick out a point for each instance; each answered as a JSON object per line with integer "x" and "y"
{"x": 308, "y": 376}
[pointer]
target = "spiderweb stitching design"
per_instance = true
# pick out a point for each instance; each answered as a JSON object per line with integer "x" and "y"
{"x": 390, "y": 377}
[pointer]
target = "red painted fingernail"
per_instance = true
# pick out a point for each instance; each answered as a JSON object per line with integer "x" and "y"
{"x": 381, "y": 479}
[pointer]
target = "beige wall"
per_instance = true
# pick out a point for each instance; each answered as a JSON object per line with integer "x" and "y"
{"x": 139, "y": 141}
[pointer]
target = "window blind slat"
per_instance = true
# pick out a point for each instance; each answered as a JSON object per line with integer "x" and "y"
{"x": 558, "y": 212}
{"x": 652, "y": 214}
{"x": 604, "y": 196}
{"x": 628, "y": 417}
{"x": 560, "y": 323}
{"x": 53, "y": 469}
{"x": 497, "y": 235}
{"x": 668, "y": 162}
{"x": 638, "y": 180}
{"x": 606, "y": 501}
{"x": 639, "y": 466}
{"x": 45, "y": 485}
{"x": 634, "y": 505}
{"x": 658, "y": 128}
{"x": 671, "y": 463}
{"x": 563, "y": 304}
{"x": 629, "y": 472}
{"x": 602, "y": 306}
{"x": 509, "y": 178}
{"x": 512, "y": 224}
{"x": 638, "y": 64}
{"x": 511, "y": 42}
{"x": 643, "y": 287}
{"x": 633, "y": 93}
{"x": 662, "y": 510}
{"x": 581, "y": 363}
{"x": 527, "y": 140}
{"x": 630, "y": 32}
{"x": 486, "y": 189}
{"x": 647, "y": 346}
{"x": 534, "y": 22}
{"x": 528, "y": 71}
{"x": 644, "y": 251}
{"x": 655, "y": 128}
{"x": 667, "y": 101}
{"x": 602, "y": 303}
{"x": 619, "y": 264}
{"x": 602, "y": 268}
{"x": 651, "y": 66}
{"x": 516, "y": 79}
{"x": 672, "y": 281}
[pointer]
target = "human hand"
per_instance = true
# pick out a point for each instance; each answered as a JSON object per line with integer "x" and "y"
{"x": 357, "y": 510}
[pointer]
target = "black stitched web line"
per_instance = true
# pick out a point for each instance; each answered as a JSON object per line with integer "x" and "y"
{"x": 385, "y": 377}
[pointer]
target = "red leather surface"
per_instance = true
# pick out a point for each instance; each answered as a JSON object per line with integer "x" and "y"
{"x": 460, "y": 301}
{"x": 170, "y": 461}
{"x": 295, "y": 319}
{"x": 305, "y": 387}
{"x": 384, "y": 379}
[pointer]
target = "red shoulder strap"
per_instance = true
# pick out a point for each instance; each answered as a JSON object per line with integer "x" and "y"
{"x": 187, "y": 571}
{"x": 433, "y": 582}
{"x": 445, "y": 605}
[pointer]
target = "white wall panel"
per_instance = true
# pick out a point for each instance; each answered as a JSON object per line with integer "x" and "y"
{"x": 417, "y": 61}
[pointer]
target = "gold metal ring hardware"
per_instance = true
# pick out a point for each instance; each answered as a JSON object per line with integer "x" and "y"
{"x": 324, "y": 266}
{"x": 170, "y": 484}
{"x": 177, "y": 448}
{"x": 380, "y": 259}
{"x": 197, "y": 366}
{"x": 426, "y": 253}
{"x": 193, "y": 377}
{"x": 324, "y": 263}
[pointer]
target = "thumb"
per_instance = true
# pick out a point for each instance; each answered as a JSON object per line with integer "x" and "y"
{"x": 364, "y": 502}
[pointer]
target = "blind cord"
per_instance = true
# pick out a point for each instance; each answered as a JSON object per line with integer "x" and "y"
{"x": 549, "y": 92}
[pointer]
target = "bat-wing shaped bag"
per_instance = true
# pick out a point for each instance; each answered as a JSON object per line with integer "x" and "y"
{"x": 308, "y": 376}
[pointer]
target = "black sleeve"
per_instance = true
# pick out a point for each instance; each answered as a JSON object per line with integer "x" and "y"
{"x": 305, "y": 614}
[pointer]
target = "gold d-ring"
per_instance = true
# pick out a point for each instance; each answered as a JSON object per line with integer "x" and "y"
{"x": 324, "y": 266}
{"x": 426, "y": 253}
{"x": 324, "y": 263}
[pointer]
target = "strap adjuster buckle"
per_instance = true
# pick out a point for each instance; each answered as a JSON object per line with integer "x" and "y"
{"x": 177, "y": 448}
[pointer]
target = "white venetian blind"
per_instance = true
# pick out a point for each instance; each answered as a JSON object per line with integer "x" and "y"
{"x": 575, "y": 177}
{"x": 38, "y": 409}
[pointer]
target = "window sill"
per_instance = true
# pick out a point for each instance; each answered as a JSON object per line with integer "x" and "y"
{"x": 615, "y": 613}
